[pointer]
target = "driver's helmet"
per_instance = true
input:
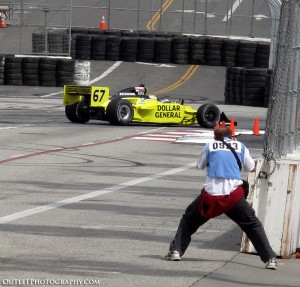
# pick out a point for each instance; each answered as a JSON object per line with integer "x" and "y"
{"x": 140, "y": 90}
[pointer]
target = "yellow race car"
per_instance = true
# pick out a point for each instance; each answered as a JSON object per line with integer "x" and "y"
{"x": 134, "y": 105}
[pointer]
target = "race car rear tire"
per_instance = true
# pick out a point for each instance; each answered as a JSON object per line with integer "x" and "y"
{"x": 76, "y": 114}
{"x": 119, "y": 112}
{"x": 208, "y": 115}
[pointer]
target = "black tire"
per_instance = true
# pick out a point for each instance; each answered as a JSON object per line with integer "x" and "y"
{"x": 75, "y": 113}
{"x": 119, "y": 112}
{"x": 208, "y": 115}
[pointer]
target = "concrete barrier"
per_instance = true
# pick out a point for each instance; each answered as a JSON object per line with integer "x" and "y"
{"x": 276, "y": 200}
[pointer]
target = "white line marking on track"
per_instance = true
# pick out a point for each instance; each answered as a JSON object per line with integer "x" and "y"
{"x": 14, "y": 127}
{"x": 161, "y": 139}
{"x": 54, "y": 205}
{"x": 151, "y": 131}
{"x": 231, "y": 11}
{"x": 113, "y": 67}
{"x": 143, "y": 227}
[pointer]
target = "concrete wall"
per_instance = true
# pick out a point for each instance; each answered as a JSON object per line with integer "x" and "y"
{"x": 276, "y": 200}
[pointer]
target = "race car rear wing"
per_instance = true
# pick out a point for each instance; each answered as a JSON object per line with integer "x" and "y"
{"x": 97, "y": 95}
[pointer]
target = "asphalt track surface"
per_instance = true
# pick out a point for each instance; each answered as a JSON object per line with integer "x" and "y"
{"x": 91, "y": 202}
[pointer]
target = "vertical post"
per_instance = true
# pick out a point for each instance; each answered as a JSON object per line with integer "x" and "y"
{"x": 205, "y": 20}
{"x": 182, "y": 16}
{"x": 195, "y": 16}
{"x": 252, "y": 19}
{"x": 138, "y": 15}
{"x": 160, "y": 12}
{"x": 230, "y": 20}
{"x": 70, "y": 26}
{"x": 108, "y": 16}
{"x": 152, "y": 9}
{"x": 46, "y": 10}
{"x": 21, "y": 24}
{"x": 22, "y": 13}
{"x": 227, "y": 18}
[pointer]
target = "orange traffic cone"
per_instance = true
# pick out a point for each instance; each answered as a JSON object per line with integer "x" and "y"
{"x": 103, "y": 24}
{"x": 232, "y": 127}
{"x": 2, "y": 22}
{"x": 223, "y": 124}
{"x": 256, "y": 127}
{"x": 217, "y": 125}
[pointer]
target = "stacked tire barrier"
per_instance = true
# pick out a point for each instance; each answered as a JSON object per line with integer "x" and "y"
{"x": 229, "y": 53}
{"x": 113, "y": 44}
{"x": 13, "y": 71}
{"x": 128, "y": 49}
{"x": 156, "y": 46}
{"x": 98, "y": 46}
{"x": 145, "y": 50}
{"x": 2, "y": 67}
{"x": 162, "y": 50}
{"x": 248, "y": 86}
{"x": 213, "y": 55}
{"x": 246, "y": 54}
{"x": 43, "y": 71}
{"x": 197, "y": 50}
{"x": 83, "y": 47}
{"x": 31, "y": 71}
{"x": 180, "y": 50}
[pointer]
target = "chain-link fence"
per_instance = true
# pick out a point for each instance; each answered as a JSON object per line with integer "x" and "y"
{"x": 283, "y": 120}
{"x": 247, "y": 18}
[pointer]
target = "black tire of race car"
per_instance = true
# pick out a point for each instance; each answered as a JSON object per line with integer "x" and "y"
{"x": 71, "y": 112}
{"x": 208, "y": 115}
{"x": 119, "y": 112}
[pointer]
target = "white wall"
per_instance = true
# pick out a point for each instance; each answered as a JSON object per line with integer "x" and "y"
{"x": 276, "y": 200}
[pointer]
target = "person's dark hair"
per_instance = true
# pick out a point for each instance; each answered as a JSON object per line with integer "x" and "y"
{"x": 222, "y": 132}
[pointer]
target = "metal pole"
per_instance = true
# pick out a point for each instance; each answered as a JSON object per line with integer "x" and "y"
{"x": 138, "y": 15}
{"x": 160, "y": 12}
{"x": 70, "y": 26}
{"x": 22, "y": 13}
{"x": 21, "y": 24}
{"x": 182, "y": 16}
{"x": 205, "y": 20}
{"x": 230, "y": 20}
{"x": 252, "y": 20}
{"x": 46, "y": 10}
{"x": 227, "y": 9}
{"x": 108, "y": 16}
{"x": 195, "y": 15}
{"x": 152, "y": 13}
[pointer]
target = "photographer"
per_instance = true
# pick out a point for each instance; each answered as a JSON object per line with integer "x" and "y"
{"x": 223, "y": 192}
